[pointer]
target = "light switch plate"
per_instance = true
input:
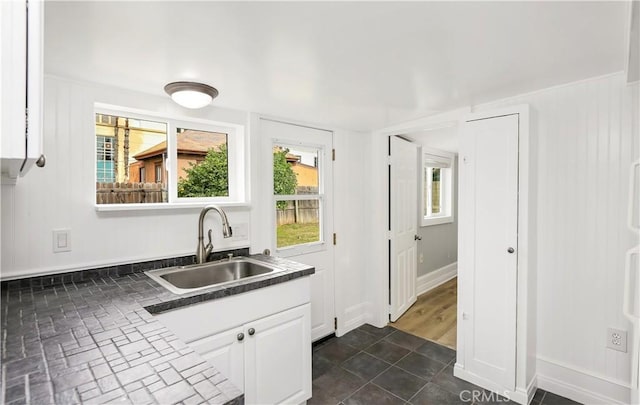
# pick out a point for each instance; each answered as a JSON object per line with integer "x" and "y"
{"x": 61, "y": 240}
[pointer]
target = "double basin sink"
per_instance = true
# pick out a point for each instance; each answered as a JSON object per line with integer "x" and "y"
{"x": 185, "y": 279}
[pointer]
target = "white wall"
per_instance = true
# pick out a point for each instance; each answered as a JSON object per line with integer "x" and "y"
{"x": 350, "y": 223}
{"x": 61, "y": 195}
{"x": 586, "y": 135}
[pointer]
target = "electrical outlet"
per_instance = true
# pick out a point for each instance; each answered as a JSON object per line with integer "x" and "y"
{"x": 240, "y": 231}
{"x": 421, "y": 258}
{"x": 617, "y": 339}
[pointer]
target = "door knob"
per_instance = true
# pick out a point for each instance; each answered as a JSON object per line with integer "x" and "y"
{"x": 511, "y": 250}
{"x": 240, "y": 336}
{"x": 417, "y": 237}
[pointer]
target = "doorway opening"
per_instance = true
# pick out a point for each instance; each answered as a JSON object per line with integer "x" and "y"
{"x": 433, "y": 313}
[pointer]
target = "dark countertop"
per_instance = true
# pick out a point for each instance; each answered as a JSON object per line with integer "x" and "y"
{"x": 96, "y": 341}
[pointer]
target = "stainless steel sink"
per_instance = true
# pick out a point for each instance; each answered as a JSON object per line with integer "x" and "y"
{"x": 184, "y": 279}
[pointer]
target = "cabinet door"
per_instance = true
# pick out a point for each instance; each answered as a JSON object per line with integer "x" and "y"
{"x": 224, "y": 351}
{"x": 278, "y": 358}
{"x": 489, "y": 247}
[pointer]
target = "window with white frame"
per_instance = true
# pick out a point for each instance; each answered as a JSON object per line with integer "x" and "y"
{"x": 149, "y": 159}
{"x": 298, "y": 195}
{"x": 437, "y": 174}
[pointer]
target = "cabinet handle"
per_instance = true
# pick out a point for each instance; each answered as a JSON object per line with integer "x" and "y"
{"x": 240, "y": 336}
{"x": 251, "y": 331}
{"x": 510, "y": 250}
{"x": 42, "y": 160}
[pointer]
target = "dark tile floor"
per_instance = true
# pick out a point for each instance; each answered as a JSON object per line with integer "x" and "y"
{"x": 372, "y": 366}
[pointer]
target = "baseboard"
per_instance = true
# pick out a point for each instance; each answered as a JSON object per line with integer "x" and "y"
{"x": 354, "y": 316}
{"x": 580, "y": 385}
{"x": 435, "y": 278}
{"x": 520, "y": 396}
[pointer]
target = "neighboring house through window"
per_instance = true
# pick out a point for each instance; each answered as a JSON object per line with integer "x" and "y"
{"x": 144, "y": 158}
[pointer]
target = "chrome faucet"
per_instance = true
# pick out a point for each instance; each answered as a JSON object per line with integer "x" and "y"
{"x": 202, "y": 252}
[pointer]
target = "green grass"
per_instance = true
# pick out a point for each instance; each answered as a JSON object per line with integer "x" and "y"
{"x": 296, "y": 234}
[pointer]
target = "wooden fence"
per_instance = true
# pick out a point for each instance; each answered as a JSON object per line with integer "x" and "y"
{"x": 130, "y": 193}
{"x": 301, "y": 211}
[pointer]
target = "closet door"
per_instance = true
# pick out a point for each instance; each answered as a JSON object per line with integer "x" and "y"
{"x": 489, "y": 248}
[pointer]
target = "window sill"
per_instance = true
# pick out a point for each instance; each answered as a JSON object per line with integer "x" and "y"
{"x": 303, "y": 249}
{"x": 167, "y": 206}
{"x": 436, "y": 221}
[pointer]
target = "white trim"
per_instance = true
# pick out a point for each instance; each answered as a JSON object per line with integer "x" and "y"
{"x": 166, "y": 206}
{"x": 525, "y": 227}
{"x": 579, "y": 384}
{"x": 447, "y": 187}
{"x": 236, "y": 155}
{"x": 353, "y": 317}
{"x": 437, "y": 277}
{"x": 518, "y": 395}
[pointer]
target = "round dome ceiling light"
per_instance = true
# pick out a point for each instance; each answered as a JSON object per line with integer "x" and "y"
{"x": 191, "y": 94}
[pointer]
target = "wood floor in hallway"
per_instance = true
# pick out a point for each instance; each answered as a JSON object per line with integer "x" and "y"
{"x": 433, "y": 316}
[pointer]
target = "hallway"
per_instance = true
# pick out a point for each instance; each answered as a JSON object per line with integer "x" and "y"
{"x": 433, "y": 316}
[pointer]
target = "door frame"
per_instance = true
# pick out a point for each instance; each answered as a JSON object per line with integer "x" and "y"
{"x": 380, "y": 232}
{"x": 526, "y": 294}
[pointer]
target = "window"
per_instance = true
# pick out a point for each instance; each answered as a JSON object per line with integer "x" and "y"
{"x": 158, "y": 169}
{"x": 298, "y": 195}
{"x": 143, "y": 158}
{"x": 437, "y": 187}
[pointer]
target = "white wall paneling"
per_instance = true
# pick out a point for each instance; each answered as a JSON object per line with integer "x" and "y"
{"x": 586, "y": 135}
{"x": 62, "y": 195}
{"x": 350, "y": 222}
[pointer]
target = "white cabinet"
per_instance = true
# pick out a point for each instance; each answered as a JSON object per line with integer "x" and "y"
{"x": 494, "y": 339}
{"x": 259, "y": 340}
{"x": 277, "y": 358}
{"x": 20, "y": 86}
{"x": 225, "y": 350}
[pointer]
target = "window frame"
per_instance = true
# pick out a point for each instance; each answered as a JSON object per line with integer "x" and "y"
{"x": 447, "y": 187}
{"x": 309, "y": 247}
{"x": 236, "y": 158}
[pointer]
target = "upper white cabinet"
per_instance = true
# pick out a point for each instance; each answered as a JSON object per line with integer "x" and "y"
{"x": 20, "y": 86}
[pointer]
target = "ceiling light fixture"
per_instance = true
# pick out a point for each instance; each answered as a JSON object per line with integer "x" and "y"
{"x": 191, "y": 94}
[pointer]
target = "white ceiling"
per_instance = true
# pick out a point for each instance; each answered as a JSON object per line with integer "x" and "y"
{"x": 357, "y": 65}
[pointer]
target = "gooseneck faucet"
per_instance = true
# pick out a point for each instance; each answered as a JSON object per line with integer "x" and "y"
{"x": 202, "y": 252}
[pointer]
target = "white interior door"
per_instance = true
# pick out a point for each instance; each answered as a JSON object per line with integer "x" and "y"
{"x": 403, "y": 200}
{"x": 489, "y": 247}
{"x": 302, "y": 220}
